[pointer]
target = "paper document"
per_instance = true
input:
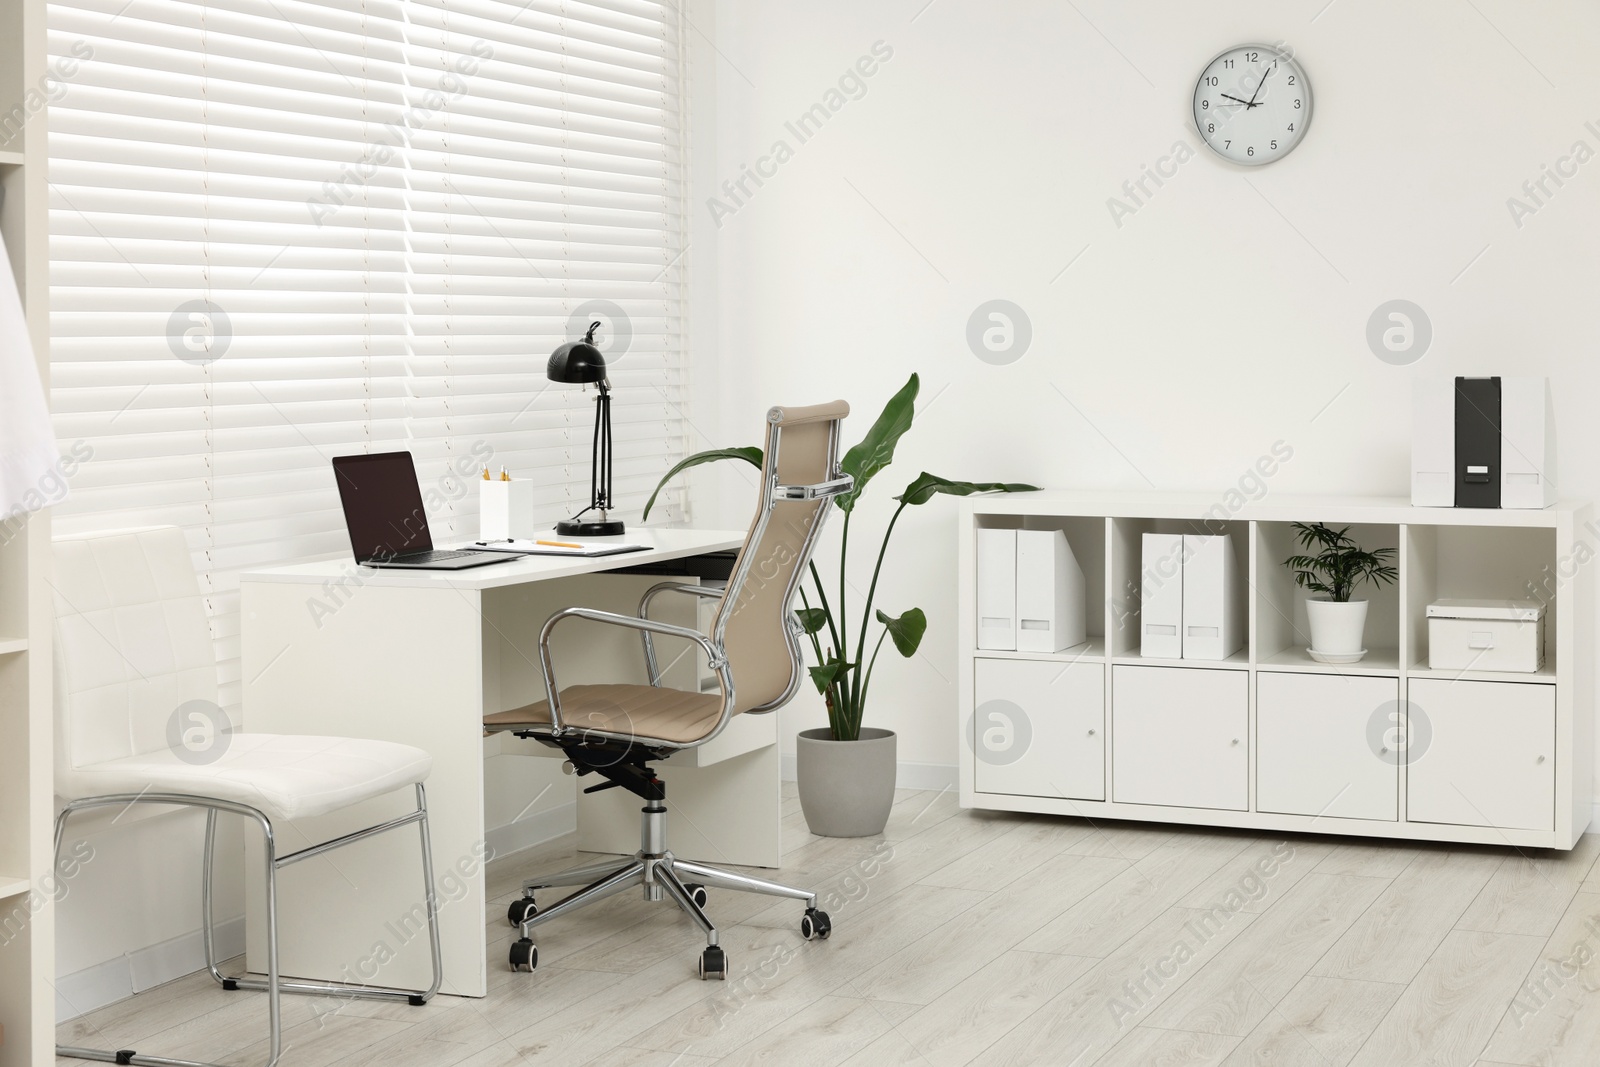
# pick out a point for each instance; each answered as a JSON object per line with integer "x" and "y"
{"x": 553, "y": 547}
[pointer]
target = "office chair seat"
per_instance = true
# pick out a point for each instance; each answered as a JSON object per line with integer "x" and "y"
{"x": 285, "y": 776}
{"x": 670, "y": 714}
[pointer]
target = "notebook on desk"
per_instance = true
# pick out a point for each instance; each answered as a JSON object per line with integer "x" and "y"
{"x": 525, "y": 547}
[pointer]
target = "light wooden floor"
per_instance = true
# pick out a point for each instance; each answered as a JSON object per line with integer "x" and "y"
{"x": 982, "y": 938}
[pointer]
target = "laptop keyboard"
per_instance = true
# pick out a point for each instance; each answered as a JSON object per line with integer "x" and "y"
{"x": 435, "y": 556}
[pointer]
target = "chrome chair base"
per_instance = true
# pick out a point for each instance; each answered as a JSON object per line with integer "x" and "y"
{"x": 660, "y": 873}
{"x": 272, "y": 984}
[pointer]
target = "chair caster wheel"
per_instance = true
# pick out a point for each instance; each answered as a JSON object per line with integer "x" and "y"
{"x": 714, "y": 963}
{"x": 524, "y": 955}
{"x": 697, "y": 893}
{"x": 815, "y": 925}
{"x": 521, "y": 911}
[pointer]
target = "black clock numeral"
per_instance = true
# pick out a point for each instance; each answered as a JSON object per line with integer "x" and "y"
{"x": 1291, "y": 127}
{"x": 1205, "y": 105}
{"x": 1291, "y": 79}
{"x": 1274, "y": 146}
{"x": 1211, "y": 127}
{"x": 1250, "y": 151}
{"x": 1228, "y": 63}
{"x": 1250, "y": 57}
{"x": 1227, "y": 144}
{"x": 1297, "y": 103}
{"x": 1212, "y": 81}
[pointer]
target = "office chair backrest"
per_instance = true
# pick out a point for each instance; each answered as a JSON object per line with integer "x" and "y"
{"x": 754, "y": 619}
{"x": 132, "y": 644}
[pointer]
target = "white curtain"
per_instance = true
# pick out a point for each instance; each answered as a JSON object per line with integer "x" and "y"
{"x": 286, "y": 230}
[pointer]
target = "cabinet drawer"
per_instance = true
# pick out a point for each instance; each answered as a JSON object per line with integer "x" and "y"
{"x": 1482, "y": 754}
{"x": 1038, "y": 728}
{"x": 1323, "y": 746}
{"x": 1179, "y": 737}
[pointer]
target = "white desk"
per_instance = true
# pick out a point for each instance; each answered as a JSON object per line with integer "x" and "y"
{"x": 418, "y": 657}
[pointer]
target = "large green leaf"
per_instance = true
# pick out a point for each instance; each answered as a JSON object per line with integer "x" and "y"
{"x": 876, "y": 450}
{"x": 812, "y": 620}
{"x": 906, "y": 631}
{"x": 927, "y": 486}
{"x": 751, "y": 454}
{"x": 824, "y": 675}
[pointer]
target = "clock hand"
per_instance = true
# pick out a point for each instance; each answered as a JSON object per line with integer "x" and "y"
{"x": 1246, "y": 103}
{"x": 1252, "y": 101}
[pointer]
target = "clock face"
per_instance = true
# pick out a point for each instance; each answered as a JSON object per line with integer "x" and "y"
{"x": 1252, "y": 104}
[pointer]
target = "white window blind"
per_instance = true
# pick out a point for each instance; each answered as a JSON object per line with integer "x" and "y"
{"x": 286, "y": 230}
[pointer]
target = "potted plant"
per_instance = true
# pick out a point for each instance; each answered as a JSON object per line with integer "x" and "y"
{"x": 846, "y": 771}
{"x": 1333, "y": 566}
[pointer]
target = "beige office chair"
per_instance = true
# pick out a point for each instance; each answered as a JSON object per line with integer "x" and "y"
{"x": 618, "y": 730}
{"x": 137, "y": 722}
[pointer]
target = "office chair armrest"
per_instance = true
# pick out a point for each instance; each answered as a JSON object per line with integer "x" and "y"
{"x": 819, "y": 491}
{"x": 716, "y": 660}
{"x": 703, "y": 591}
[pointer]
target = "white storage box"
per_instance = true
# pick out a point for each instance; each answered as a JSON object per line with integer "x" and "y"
{"x": 1486, "y": 635}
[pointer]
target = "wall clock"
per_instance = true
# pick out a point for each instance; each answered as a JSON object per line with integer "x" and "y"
{"x": 1252, "y": 104}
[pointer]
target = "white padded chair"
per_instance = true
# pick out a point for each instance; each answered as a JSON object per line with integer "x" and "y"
{"x": 136, "y": 683}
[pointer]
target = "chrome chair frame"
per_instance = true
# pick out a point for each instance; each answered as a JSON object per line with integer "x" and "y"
{"x": 653, "y": 867}
{"x": 272, "y": 984}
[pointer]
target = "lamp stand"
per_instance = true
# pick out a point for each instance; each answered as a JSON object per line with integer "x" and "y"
{"x": 599, "y": 479}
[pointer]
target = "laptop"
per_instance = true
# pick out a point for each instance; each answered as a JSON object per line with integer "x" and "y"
{"x": 384, "y": 514}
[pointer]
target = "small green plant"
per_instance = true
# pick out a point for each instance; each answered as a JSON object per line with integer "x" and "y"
{"x": 1339, "y": 564}
{"x": 842, "y": 674}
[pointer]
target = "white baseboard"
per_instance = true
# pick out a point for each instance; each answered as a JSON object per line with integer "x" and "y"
{"x": 536, "y": 829}
{"x": 907, "y": 775}
{"x": 145, "y": 968}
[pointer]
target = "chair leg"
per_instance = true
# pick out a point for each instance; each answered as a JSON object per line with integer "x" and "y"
{"x": 207, "y": 913}
{"x": 729, "y": 880}
{"x": 274, "y": 982}
{"x": 274, "y": 985}
{"x": 433, "y": 901}
{"x": 629, "y": 876}
{"x": 353, "y": 990}
{"x": 581, "y": 875}
{"x": 680, "y": 896}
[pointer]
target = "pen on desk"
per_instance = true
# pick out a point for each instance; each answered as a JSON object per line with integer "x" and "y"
{"x": 558, "y": 544}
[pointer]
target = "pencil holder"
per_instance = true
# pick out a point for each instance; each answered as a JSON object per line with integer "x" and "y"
{"x": 505, "y": 509}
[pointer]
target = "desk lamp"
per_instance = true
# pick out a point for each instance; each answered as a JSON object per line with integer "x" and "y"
{"x": 580, "y": 363}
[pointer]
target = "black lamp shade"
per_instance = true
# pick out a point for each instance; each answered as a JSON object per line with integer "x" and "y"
{"x": 578, "y": 362}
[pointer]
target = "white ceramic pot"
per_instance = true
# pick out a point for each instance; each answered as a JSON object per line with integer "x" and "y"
{"x": 1336, "y": 629}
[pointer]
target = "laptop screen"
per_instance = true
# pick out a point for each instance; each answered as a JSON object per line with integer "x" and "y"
{"x": 382, "y": 505}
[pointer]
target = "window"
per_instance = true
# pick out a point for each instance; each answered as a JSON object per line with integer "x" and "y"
{"x": 286, "y": 230}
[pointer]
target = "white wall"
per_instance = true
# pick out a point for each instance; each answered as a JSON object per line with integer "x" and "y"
{"x": 130, "y": 916}
{"x": 1226, "y": 313}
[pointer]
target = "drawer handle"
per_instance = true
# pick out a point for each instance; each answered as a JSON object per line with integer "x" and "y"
{"x": 1540, "y": 760}
{"x": 1236, "y": 740}
{"x": 1091, "y": 734}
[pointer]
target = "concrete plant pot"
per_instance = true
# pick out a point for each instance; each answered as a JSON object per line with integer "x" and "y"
{"x": 846, "y": 787}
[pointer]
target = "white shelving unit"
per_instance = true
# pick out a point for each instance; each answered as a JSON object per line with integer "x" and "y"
{"x": 27, "y": 933}
{"x": 1271, "y": 739}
